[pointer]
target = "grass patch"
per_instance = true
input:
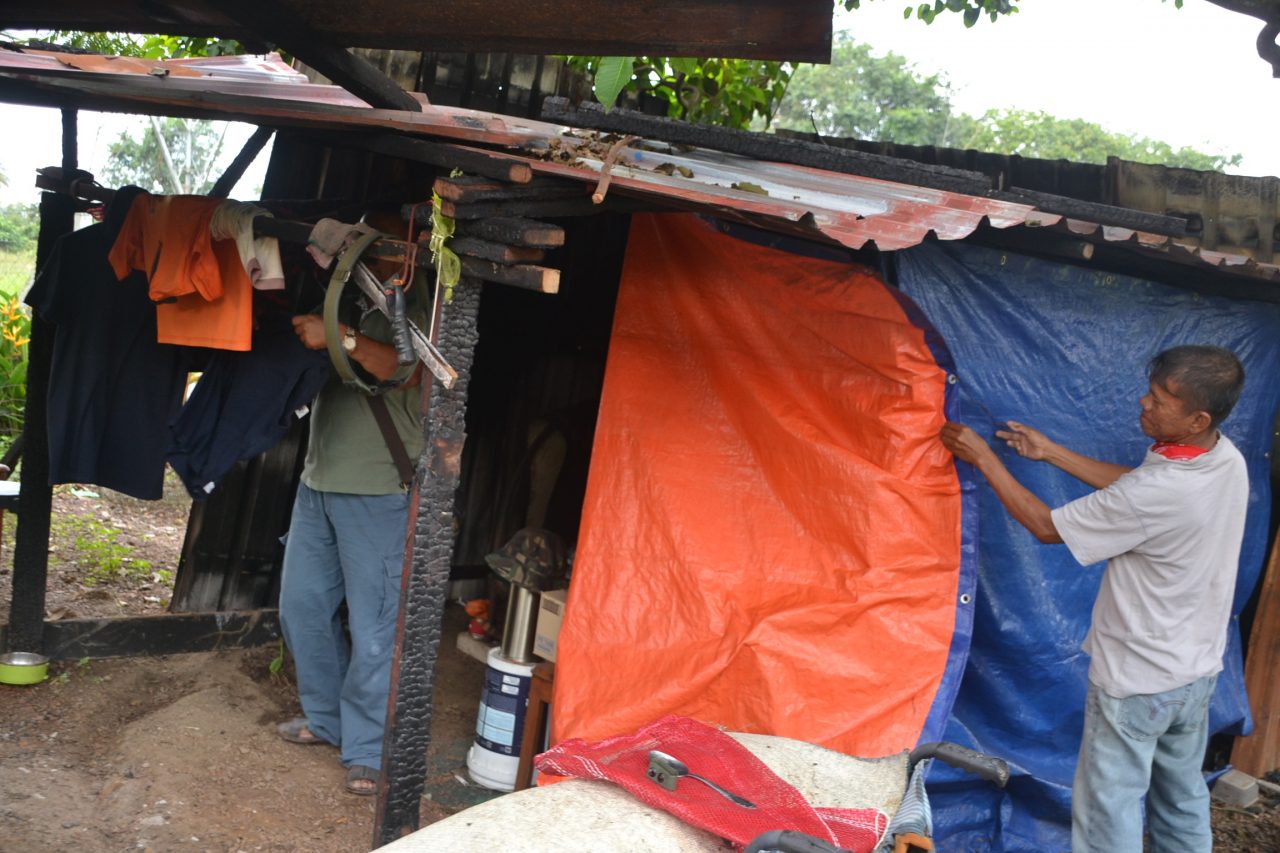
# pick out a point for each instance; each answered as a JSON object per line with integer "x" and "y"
{"x": 100, "y": 555}
{"x": 16, "y": 270}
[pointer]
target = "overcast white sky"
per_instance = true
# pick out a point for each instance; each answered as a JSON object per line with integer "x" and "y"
{"x": 1187, "y": 76}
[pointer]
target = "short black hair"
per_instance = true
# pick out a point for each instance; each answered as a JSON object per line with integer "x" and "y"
{"x": 1209, "y": 378}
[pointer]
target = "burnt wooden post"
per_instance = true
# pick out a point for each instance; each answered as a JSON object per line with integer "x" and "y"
{"x": 35, "y": 500}
{"x": 425, "y": 584}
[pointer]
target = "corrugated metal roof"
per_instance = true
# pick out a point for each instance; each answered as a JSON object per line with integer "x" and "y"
{"x": 847, "y": 209}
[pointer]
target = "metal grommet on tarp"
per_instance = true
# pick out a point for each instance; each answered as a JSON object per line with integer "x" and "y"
{"x": 332, "y": 336}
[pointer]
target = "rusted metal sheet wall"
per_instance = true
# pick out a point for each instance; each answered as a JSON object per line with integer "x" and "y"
{"x": 1236, "y": 214}
{"x": 1231, "y": 213}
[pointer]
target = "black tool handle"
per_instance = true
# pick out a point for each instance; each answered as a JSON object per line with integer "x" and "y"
{"x": 790, "y": 841}
{"x": 401, "y": 337}
{"x": 994, "y": 770}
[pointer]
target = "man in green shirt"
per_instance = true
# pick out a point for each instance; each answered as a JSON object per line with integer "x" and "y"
{"x": 346, "y": 541}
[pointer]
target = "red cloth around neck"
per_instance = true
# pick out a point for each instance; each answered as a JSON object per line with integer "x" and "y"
{"x": 1177, "y": 452}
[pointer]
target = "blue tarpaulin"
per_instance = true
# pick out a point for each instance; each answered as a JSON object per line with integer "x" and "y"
{"x": 1064, "y": 349}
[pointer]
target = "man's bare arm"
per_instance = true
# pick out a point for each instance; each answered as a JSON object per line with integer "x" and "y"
{"x": 1027, "y": 509}
{"x": 1030, "y": 443}
{"x": 374, "y": 356}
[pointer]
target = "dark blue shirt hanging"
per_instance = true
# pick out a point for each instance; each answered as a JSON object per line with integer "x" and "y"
{"x": 112, "y": 388}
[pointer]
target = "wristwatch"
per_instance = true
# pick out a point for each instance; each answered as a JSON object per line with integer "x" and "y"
{"x": 349, "y": 340}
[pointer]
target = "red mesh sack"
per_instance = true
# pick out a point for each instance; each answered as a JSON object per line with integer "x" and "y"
{"x": 708, "y": 752}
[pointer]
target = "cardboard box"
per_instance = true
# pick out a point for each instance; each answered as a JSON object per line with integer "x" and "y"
{"x": 550, "y": 615}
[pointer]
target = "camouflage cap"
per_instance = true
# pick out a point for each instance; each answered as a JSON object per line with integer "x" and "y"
{"x": 534, "y": 559}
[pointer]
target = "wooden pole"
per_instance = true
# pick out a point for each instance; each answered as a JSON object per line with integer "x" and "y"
{"x": 35, "y": 501}
{"x": 1259, "y": 753}
{"x": 425, "y": 579}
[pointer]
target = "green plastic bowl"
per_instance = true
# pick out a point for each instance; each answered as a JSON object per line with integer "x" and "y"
{"x": 23, "y": 668}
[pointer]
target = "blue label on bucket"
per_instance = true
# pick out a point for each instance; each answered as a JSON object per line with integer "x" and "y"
{"x": 500, "y": 722}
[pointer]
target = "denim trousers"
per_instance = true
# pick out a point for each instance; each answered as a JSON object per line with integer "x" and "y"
{"x": 339, "y": 547}
{"x": 1152, "y": 745}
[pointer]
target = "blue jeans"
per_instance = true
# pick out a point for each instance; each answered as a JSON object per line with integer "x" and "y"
{"x": 1149, "y": 745}
{"x": 344, "y": 546}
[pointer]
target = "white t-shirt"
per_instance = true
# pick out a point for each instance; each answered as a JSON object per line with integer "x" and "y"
{"x": 1172, "y": 531}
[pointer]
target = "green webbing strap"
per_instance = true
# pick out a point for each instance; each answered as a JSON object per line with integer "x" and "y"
{"x": 332, "y": 332}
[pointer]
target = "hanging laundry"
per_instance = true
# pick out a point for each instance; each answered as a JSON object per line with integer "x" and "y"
{"x": 204, "y": 295}
{"x": 244, "y": 403}
{"x": 330, "y": 237}
{"x": 233, "y": 220}
{"x": 112, "y": 387}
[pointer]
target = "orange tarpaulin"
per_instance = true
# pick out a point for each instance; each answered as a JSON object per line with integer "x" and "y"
{"x": 771, "y": 535}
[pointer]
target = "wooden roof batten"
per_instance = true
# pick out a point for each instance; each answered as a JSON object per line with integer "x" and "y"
{"x": 797, "y": 30}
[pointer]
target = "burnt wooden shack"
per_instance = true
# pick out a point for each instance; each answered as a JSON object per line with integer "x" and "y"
{"x": 237, "y": 538}
{"x": 529, "y": 225}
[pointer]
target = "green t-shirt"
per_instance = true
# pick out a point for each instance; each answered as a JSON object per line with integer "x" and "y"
{"x": 346, "y": 452}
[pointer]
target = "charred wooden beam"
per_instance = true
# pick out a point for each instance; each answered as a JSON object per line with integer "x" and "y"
{"x": 164, "y": 634}
{"x": 274, "y": 22}
{"x": 526, "y": 207}
{"x": 765, "y": 147}
{"x": 35, "y": 500}
{"x": 441, "y": 154}
{"x": 1105, "y": 214}
{"x": 523, "y": 276}
{"x": 425, "y": 579}
{"x": 501, "y": 253}
{"x": 234, "y": 172}
{"x": 797, "y": 31}
{"x": 469, "y": 189}
{"x": 515, "y": 231}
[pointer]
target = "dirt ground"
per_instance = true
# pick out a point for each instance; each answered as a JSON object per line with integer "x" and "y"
{"x": 179, "y": 753}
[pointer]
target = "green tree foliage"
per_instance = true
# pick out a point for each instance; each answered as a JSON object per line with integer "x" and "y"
{"x": 19, "y": 227}
{"x": 728, "y": 92}
{"x": 175, "y": 156}
{"x": 866, "y": 96}
{"x": 970, "y": 10}
{"x": 146, "y": 46}
{"x": 1038, "y": 134}
{"x": 733, "y": 92}
{"x": 882, "y": 98}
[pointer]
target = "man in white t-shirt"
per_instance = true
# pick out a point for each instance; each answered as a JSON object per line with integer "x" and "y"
{"x": 1170, "y": 530}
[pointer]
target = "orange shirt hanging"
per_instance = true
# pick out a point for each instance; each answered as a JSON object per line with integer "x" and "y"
{"x": 203, "y": 293}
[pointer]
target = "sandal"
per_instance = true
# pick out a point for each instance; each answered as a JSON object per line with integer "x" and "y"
{"x": 297, "y": 731}
{"x": 359, "y": 774}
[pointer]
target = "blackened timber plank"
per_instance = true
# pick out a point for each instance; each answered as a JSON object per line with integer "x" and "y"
{"x": 164, "y": 634}
{"x": 516, "y": 231}
{"x": 272, "y": 22}
{"x": 1092, "y": 211}
{"x": 222, "y": 188}
{"x": 554, "y": 207}
{"x": 425, "y": 579}
{"x": 469, "y": 189}
{"x": 35, "y": 500}
{"x": 762, "y": 146}
{"x": 501, "y": 253}
{"x": 523, "y": 276}
{"x": 440, "y": 154}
